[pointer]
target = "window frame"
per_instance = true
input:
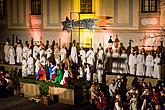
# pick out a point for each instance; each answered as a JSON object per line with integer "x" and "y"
{"x": 149, "y": 6}
{"x": 86, "y": 4}
{"x": 36, "y": 10}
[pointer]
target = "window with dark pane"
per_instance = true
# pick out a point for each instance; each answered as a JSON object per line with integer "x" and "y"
{"x": 2, "y": 7}
{"x": 36, "y": 7}
{"x": 149, "y": 5}
{"x": 86, "y": 6}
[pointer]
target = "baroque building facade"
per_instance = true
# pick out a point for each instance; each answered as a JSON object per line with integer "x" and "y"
{"x": 142, "y": 21}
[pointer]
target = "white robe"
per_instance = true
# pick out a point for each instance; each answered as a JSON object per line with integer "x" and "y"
{"x": 133, "y": 103}
{"x": 124, "y": 63}
{"x": 37, "y": 66}
{"x": 63, "y": 53}
{"x": 101, "y": 55}
{"x": 115, "y": 64}
{"x": 81, "y": 73}
{"x": 82, "y": 55}
{"x": 11, "y": 55}
{"x": 90, "y": 57}
{"x": 66, "y": 75}
{"x": 29, "y": 52}
{"x": 117, "y": 106}
{"x": 43, "y": 60}
{"x": 156, "y": 68}
{"x": 6, "y": 51}
{"x": 149, "y": 65}
{"x": 57, "y": 55}
{"x": 99, "y": 72}
{"x": 48, "y": 52}
{"x": 24, "y": 68}
{"x": 88, "y": 74}
{"x": 30, "y": 64}
{"x": 42, "y": 52}
{"x": 19, "y": 54}
{"x": 35, "y": 51}
{"x": 74, "y": 54}
{"x": 25, "y": 52}
{"x": 140, "y": 65}
{"x": 132, "y": 62}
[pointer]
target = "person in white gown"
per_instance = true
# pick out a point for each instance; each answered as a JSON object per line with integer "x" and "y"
{"x": 81, "y": 73}
{"x": 115, "y": 64}
{"x": 100, "y": 55}
{"x": 42, "y": 52}
{"x": 64, "y": 80}
{"x": 35, "y": 51}
{"x": 57, "y": 53}
{"x": 149, "y": 64}
{"x": 11, "y": 55}
{"x": 90, "y": 55}
{"x": 19, "y": 53}
{"x": 49, "y": 52}
{"x": 82, "y": 55}
{"x": 88, "y": 73}
{"x": 124, "y": 62}
{"x": 37, "y": 67}
{"x": 74, "y": 54}
{"x": 6, "y": 51}
{"x": 43, "y": 60}
{"x": 157, "y": 67}
{"x": 140, "y": 64}
{"x": 25, "y": 51}
{"x": 24, "y": 67}
{"x": 63, "y": 52}
{"x": 30, "y": 65}
{"x": 132, "y": 63}
{"x": 99, "y": 68}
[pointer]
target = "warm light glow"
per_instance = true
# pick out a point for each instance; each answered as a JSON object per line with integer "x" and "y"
{"x": 150, "y": 41}
{"x": 64, "y": 38}
{"x": 35, "y": 25}
{"x": 85, "y": 38}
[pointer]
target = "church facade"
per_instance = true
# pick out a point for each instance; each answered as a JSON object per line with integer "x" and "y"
{"x": 142, "y": 21}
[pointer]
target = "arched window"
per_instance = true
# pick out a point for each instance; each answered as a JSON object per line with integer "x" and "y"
{"x": 86, "y": 6}
{"x": 35, "y": 7}
{"x": 149, "y": 5}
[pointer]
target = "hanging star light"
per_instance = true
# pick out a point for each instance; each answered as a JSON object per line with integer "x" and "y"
{"x": 69, "y": 25}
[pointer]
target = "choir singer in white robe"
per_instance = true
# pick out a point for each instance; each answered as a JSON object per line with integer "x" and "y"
{"x": 24, "y": 67}
{"x": 63, "y": 52}
{"x": 74, "y": 54}
{"x": 132, "y": 62}
{"x": 149, "y": 64}
{"x": 115, "y": 64}
{"x": 157, "y": 67}
{"x": 6, "y": 51}
{"x": 140, "y": 64}
{"x": 11, "y": 55}
{"x": 49, "y": 52}
{"x": 30, "y": 65}
{"x": 19, "y": 53}
{"x": 90, "y": 56}
{"x": 35, "y": 51}
{"x": 82, "y": 55}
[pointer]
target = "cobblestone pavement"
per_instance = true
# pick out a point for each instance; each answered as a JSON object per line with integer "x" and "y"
{"x": 21, "y": 103}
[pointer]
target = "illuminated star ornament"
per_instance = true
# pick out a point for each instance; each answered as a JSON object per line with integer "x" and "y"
{"x": 69, "y": 25}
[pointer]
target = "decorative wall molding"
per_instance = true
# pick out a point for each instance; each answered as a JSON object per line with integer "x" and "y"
{"x": 115, "y": 24}
{"x": 49, "y": 23}
{"x": 18, "y": 14}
